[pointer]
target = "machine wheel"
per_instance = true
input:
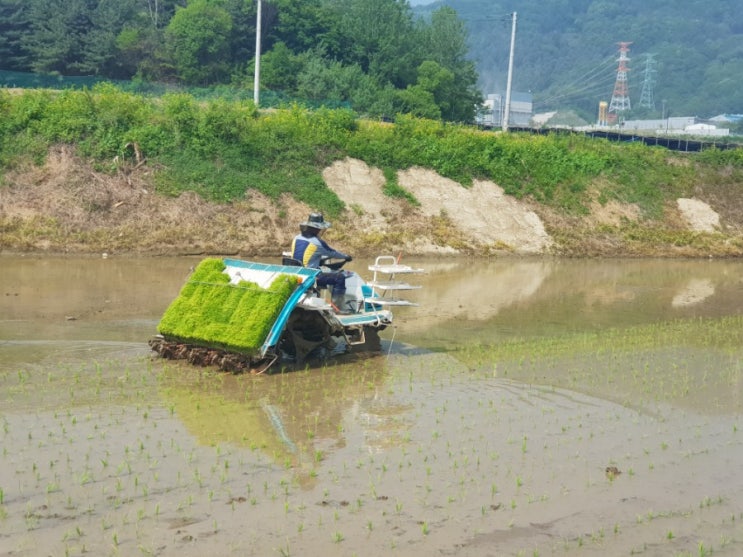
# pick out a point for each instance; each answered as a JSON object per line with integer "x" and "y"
{"x": 305, "y": 331}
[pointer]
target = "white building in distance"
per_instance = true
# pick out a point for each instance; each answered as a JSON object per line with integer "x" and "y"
{"x": 680, "y": 125}
{"x": 495, "y": 107}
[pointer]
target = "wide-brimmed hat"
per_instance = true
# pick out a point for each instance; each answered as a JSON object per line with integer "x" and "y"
{"x": 316, "y": 220}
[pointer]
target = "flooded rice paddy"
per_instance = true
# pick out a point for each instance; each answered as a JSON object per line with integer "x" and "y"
{"x": 527, "y": 407}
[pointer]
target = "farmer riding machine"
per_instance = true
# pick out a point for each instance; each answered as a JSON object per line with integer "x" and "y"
{"x": 249, "y": 316}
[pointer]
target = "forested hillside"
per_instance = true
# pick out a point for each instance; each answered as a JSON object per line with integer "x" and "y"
{"x": 371, "y": 54}
{"x": 566, "y": 51}
{"x": 382, "y": 57}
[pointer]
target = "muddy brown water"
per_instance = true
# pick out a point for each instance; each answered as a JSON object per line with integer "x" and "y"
{"x": 526, "y": 407}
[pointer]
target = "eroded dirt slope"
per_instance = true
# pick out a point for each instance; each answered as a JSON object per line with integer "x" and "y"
{"x": 67, "y": 206}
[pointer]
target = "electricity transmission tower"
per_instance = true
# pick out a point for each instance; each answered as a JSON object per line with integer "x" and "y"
{"x": 620, "y": 97}
{"x": 648, "y": 83}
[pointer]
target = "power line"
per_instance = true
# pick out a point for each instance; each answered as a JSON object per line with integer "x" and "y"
{"x": 593, "y": 71}
{"x": 593, "y": 81}
{"x": 576, "y": 97}
{"x": 579, "y": 93}
{"x": 506, "y": 17}
{"x": 594, "y": 87}
{"x": 600, "y": 75}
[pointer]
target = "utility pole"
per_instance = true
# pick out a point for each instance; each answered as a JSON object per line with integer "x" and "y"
{"x": 257, "y": 74}
{"x": 507, "y": 112}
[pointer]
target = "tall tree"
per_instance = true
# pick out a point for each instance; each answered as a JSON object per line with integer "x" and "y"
{"x": 454, "y": 82}
{"x": 301, "y": 24}
{"x": 280, "y": 68}
{"x": 13, "y": 25}
{"x": 242, "y": 34}
{"x": 198, "y": 40}
{"x": 323, "y": 80}
{"x": 441, "y": 84}
{"x": 140, "y": 45}
{"x": 159, "y": 12}
{"x": 76, "y": 37}
{"x": 58, "y": 29}
{"x": 99, "y": 52}
{"x": 379, "y": 36}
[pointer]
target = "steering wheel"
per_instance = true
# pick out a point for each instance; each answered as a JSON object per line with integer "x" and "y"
{"x": 333, "y": 264}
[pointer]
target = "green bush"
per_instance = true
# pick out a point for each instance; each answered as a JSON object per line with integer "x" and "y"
{"x": 5, "y": 105}
{"x": 225, "y": 122}
{"x": 27, "y": 110}
{"x": 182, "y": 117}
{"x": 375, "y": 144}
{"x": 718, "y": 157}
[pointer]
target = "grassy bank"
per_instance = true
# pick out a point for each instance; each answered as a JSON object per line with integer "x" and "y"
{"x": 222, "y": 150}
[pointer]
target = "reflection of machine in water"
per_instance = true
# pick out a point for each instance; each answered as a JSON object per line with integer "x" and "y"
{"x": 294, "y": 419}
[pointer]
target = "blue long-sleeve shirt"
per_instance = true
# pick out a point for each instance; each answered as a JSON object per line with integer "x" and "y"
{"x": 311, "y": 251}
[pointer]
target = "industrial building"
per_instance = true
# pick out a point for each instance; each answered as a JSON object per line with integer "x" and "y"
{"x": 495, "y": 107}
